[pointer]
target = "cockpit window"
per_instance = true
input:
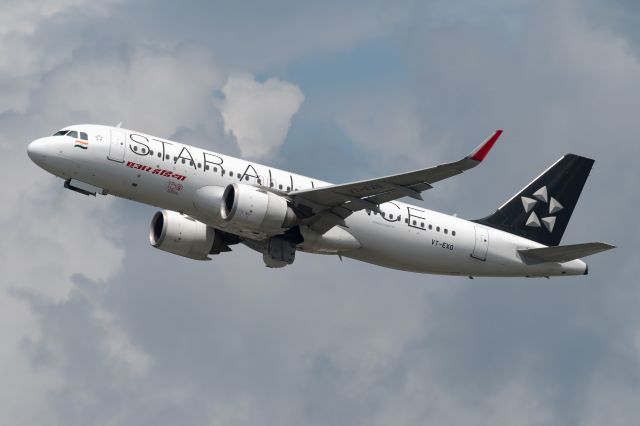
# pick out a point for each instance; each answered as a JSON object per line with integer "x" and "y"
{"x": 72, "y": 134}
{"x": 60, "y": 133}
{"x": 84, "y": 136}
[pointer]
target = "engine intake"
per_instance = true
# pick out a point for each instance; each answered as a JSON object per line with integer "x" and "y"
{"x": 182, "y": 235}
{"x": 254, "y": 208}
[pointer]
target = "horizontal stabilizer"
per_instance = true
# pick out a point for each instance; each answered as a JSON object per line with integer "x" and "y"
{"x": 561, "y": 254}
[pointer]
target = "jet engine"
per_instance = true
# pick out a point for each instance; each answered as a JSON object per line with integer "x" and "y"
{"x": 253, "y": 208}
{"x": 182, "y": 235}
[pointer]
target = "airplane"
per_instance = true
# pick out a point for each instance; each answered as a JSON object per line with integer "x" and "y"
{"x": 210, "y": 202}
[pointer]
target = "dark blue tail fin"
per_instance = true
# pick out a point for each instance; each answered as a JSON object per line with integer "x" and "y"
{"x": 541, "y": 211}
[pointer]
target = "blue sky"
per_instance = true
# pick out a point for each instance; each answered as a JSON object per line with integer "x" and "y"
{"x": 99, "y": 328}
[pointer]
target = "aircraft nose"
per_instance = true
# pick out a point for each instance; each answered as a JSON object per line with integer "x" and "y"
{"x": 36, "y": 150}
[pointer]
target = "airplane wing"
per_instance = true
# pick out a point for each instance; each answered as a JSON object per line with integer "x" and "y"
{"x": 328, "y": 206}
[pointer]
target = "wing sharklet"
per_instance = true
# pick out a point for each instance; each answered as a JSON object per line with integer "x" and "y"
{"x": 483, "y": 149}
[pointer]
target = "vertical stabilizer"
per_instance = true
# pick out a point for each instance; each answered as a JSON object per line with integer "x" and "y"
{"x": 541, "y": 211}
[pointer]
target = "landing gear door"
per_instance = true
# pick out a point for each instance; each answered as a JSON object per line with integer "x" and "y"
{"x": 482, "y": 243}
{"x": 116, "y": 149}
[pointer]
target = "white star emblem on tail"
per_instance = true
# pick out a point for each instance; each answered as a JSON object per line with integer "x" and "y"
{"x": 528, "y": 203}
{"x": 554, "y": 206}
{"x": 533, "y": 220}
{"x": 541, "y": 195}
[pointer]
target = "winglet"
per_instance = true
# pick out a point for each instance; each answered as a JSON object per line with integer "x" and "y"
{"x": 483, "y": 149}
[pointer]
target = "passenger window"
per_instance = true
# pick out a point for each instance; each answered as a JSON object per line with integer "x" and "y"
{"x": 246, "y": 178}
{"x": 446, "y": 231}
{"x": 430, "y": 226}
{"x": 279, "y": 186}
{"x": 437, "y": 229}
{"x": 199, "y": 165}
{"x": 206, "y": 167}
{"x": 150, "y": 152}
{"x": 84, "y": 136}
{"x": 73, "y": 134}
{"x": 453, "y": 233}
{"x": 390, "y": 216}
{"x": 183, "y": 161}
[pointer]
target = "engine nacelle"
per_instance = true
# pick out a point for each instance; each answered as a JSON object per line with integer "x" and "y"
{"x": 253, "y": 208}
{"x": 182, "y": 235}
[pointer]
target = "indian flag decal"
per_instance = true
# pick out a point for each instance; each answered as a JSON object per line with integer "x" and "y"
{"x": 81, "y": 144}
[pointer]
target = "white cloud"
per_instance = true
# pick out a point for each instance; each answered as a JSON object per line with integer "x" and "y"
{"x": 32, "y": 41}
{"x": 23, "y": 17}
{"x": 259, "y": 114}
{"x": 391, "y": 129}
{"x": 153, "y": 90}
{"x": 123, "y": 353}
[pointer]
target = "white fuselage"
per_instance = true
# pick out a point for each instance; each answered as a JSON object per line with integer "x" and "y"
{"x": 167, "y": 174}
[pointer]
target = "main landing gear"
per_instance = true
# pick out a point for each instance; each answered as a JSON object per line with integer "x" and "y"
{"x": 279, "y": 252}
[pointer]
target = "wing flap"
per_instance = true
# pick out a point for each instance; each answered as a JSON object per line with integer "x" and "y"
{"x": 561, "y": 254}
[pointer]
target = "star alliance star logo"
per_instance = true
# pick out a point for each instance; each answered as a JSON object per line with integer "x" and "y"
{"x": 541, "y": 195}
